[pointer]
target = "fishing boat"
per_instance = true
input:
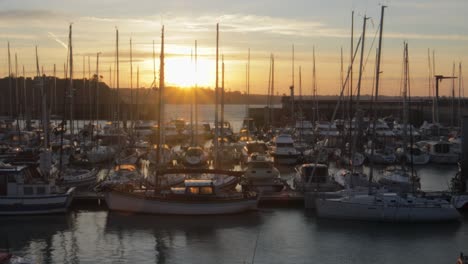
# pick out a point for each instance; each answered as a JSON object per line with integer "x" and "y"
{"x": 261, "y": 175}
{"x": 27, "y": 191}
{"x": 196, "y": 197}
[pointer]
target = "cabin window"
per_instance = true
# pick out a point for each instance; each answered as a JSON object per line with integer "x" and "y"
{"x": 261, "y": 165}
{"x": 284, "y": 145}
{"x": 442, "y": 148}
{"x": 40, "y": 190}
{"x": 28, "y": 191}
{"x": 206, "y": 190}
{"x": 193, "y": 190}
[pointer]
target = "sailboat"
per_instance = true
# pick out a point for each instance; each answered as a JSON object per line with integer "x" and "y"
{"x": 383, "y": 206}
{"x": 198, "y": 196}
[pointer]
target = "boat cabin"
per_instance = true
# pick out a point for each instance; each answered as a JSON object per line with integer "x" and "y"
{"x": 314, "y": 173}
{"x": 195, "y": 187}
{"x": 22, "y": 181}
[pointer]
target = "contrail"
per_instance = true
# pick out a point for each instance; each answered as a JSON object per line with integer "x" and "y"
{"x": 54, "y": 37}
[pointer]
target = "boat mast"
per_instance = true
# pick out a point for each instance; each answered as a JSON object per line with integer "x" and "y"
{"x": 10, "y": 85}
{"x": 97, "y": 91}
{"x": 272, "y": 86}
{"x": 17, "y": 91}
{"x": 222, "y": 101}
{"x": 269, "y": 95}
{"x": 314, "y": 86}
{"x": 161, "y": 101}
{"x": 216, "y": 125}
{"x": 358, "y": 95}
{"x": 292, "y": 89}
{"x": 117, "y": 84}
{"x": 195, "y": 97}
{"x": 70, "y": 87}
{"x": 131, "y": 88}
{"x": 377, "y": 82}
{"x": 45, "y": 124}
{"x": 459, "y": 94}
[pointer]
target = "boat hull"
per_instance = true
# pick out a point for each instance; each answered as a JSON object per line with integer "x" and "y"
{"x": 371, "y": 212}
{"x": 36, "y": 205}
{"x": 127, "y": 202}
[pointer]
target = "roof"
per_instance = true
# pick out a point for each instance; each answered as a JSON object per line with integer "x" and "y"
{"x": 190, "y": 183}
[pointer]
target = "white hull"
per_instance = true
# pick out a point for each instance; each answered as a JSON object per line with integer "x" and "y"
{"x": 335, "y": 208}
{"x": 131, "y": 203}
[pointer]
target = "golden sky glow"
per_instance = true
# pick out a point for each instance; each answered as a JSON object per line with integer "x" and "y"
{"x": 263, "y": 26}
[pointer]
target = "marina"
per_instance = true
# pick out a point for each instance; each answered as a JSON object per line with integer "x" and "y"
{"x": 96, "y": 170}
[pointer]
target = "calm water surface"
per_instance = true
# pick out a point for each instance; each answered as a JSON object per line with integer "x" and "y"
{"x": 269, "y": 235}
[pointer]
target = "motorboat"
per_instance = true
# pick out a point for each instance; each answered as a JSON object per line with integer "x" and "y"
{"x": 261, "y": 175}
{"x": 195, "y": 157}
{"x": 283, "y": 150}
{"x": 413, "y": 154}
{"x": 77, "y": 177}
{"x": 399, "y": 179}
{"x": 440, "y": 151}
{"x": 314, "y": 177}
{"x": 100, "y": 154}
{"x": 253, "y": 146}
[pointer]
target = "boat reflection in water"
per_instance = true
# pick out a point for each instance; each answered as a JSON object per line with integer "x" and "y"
{"x": 173, "y": 238}
{"x": 34, "y": 237}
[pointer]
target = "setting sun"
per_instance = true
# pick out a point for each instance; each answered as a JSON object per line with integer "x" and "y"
{"x": 180, "y": 71}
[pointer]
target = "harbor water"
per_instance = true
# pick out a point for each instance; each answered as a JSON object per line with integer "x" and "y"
{"x": 268, "y": 235}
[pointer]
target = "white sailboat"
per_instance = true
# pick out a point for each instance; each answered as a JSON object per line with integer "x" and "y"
{"x": 386, "y": 206}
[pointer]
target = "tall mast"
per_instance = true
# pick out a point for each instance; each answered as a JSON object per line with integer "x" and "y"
{"x": 452, "y": 116}
{"x": 17, "y": 94}
{"x": 405, "y": 96}
{"x": 70, "y": 87}
{"x": 292, "y": 88}
{"x": 55, "y": 90}
{"x": 351, "y": 60}
{"x": 222, "y": 101}
{"x": 269, "y": 94}
{"x": 216, "y": 143}
{"x": 196, "y": 94}
{"x": 25, "y": 100}
{"x": 459, "y": 94}
{"x": 272, "y": 84}
{"x": 90, "y": 90}
{"x": 45, "y": 124}
{"x": 314, "y": 87}
{"x": 131, "y": 87}
{"x": 117, "y": 84}
{"x": 10, "y": 86}
{"x": 17, "y": 91}
{"x": 376, "y": 97}
{"x": 161, "y": 99}
{"x": 137, "y": 113}
{"x": 97, "y": 88}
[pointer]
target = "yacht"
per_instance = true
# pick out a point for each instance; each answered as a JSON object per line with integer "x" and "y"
{"x": 313, "y": 177}
{"x": 143, "y": 129}
{"x": 195, "y": 157}
{"x": 440, "y": 151}
{"x": 261, "y": 175}
{"x": 415, "y": 154}
{"x": 253, "y": 146}
{"x": 283, "y": 150}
